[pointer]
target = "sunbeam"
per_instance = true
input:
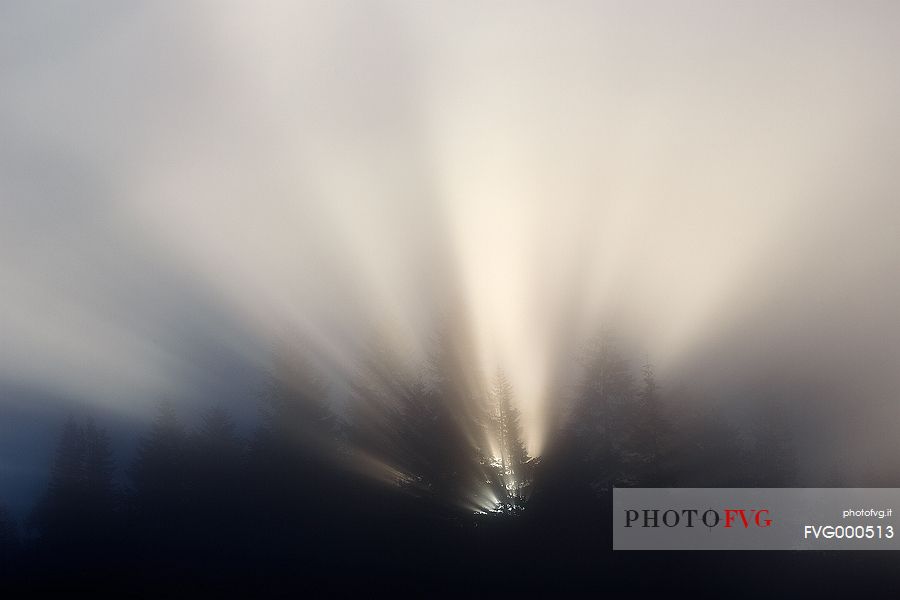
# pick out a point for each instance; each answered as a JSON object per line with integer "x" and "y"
{"x": 188, "y": 193}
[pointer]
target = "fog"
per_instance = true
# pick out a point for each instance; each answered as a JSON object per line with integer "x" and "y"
{"x": 185, "y": 188}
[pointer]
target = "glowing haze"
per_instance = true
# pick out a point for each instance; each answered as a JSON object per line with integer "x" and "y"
{"x": 185, "y": 179}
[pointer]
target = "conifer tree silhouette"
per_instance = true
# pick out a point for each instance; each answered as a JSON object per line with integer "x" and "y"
{"x": 649, "y": 432}
{"x": 598, "y": 423}
{"x": 77, "y": 513}
{"x": 160, "y": 481}
{"x": 512, "y": 459}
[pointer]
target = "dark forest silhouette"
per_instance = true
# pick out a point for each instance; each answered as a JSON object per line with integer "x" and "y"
{"x": 291, "y": 508}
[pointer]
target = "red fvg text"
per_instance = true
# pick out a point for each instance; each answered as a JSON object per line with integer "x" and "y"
{"x": 691, "y": 517}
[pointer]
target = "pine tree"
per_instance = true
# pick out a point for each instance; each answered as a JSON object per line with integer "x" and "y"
{"x": 706, "y": 448}
{"x": 159, "y": 467}
{"x": 512, "y": 456}
{"x": 57, "y": 517}
{"x": 100, "y": 495}
{"x": 217, "y": 464}
{"x": 78, "y": 508}
{"x": 383, "y": 388}
{"x": 773, "y": 453}
{"x": 437, "y": 451}
{"x": 68, "y": 470}
{"x": 160, "y": 482}
{"x": 598, "y": 420}
{"x": 99, "y": 465}
{"x": 295, "y": 409}
{"x": 218, "y": 456}
{"x": 294, "y": 458}
{"x": 649, "y": 429}
{"x": 438, "y": 437}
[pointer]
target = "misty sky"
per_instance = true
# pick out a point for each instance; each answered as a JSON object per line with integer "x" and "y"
{"x": 186, "y": 185}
